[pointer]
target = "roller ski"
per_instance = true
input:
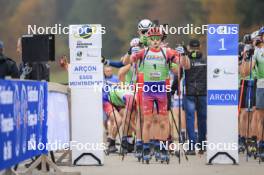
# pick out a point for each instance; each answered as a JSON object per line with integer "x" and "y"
{"x": 152, "y": 147}
{"x": 252, "y": 146}
{"x": 126, "y": 146}
{"x": 139, "y": 151}
{"x": 111, "y": 149}
{"x": 164, "y": 156}
{"x": 260, "y": 153}
{"x": 242, "y": 145}
{"x": 146, "y": 155}
{"x": 261, "y": 146}
{"x": 157, "y": 151}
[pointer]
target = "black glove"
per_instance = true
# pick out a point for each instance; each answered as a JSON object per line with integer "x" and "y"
{"x": 103, "y": 60}
{"x": 129, "y": 52}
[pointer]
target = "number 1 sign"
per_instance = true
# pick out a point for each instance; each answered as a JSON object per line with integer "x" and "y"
{"x": 221, "y": 39}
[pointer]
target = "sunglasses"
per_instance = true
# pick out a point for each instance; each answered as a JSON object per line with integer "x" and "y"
{"x": 157, "y": 38}
{"x": 143, "y": 31}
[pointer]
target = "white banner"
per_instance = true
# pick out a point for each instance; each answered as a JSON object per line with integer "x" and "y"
{"x": 85, "y": 74}
{"x": 222, "y": 94}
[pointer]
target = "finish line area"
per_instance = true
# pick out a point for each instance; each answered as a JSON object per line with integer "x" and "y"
{"x": 167, "y": 111}
{"x": 115, "y": 166}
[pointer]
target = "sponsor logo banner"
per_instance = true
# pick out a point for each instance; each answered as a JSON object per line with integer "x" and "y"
{"x": 23, "y": 116}
{"x": 85, "y": 36}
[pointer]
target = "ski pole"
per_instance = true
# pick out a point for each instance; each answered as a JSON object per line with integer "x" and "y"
{"x": 133, "y": 101}
{"x": 262, "y": 137}
{"x": 241, "y": 96}
{"x": 186, "y": 157}
{"x": 115, "y": 118}
{"x": 249, "y": 102}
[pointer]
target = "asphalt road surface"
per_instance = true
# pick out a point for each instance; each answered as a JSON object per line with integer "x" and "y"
{"x": 113, "y": 165}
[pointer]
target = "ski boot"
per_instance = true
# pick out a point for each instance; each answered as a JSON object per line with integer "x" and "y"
{"x": 260, "y": 153}
{"x": 157, "y": 151}
{"x": 252, "y": 146}
{"x": 152, "y": 147}
{"x": 131, "y": 144}
{"x": 111, "y": 147}
{"x": 183, "y": 137}
{"x": 191, "y": 150}
{"x": 130, "y": 147}
{"x": 164, "y": 156}
{"x": 261, "y": 150}
{"x": 124, "y": 146}
{"x": 242, "y": 145}
{"x": 139, "y": 150}
{"x": 146, "y": 154}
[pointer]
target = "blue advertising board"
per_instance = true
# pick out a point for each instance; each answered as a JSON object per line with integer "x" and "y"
{"x": 23, "y": 118}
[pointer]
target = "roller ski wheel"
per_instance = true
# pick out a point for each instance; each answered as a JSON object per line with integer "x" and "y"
{"x": 111, "y": 150}
{"x": 138, "y": 156}
{"x": 146, "y": 159}
{"x": 146, "y": 156}
{"x": 164, "y": 157}
{"x": 167, "y": 161}
{"x": 157, "y": 156}
{"x": 262, "y": 157}
{"x": 261, "y": 151}
{"x": 139, "y": 152}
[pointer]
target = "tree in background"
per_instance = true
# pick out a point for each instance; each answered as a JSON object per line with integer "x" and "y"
{"x": 129, "y": 13}
{"x": 98, "y": 12}
{"x": 26, "y": 12}
{"x": 251, "y": 14}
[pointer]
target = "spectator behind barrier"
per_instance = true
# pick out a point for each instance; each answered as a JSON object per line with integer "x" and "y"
{"x": 8, "y": 67}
